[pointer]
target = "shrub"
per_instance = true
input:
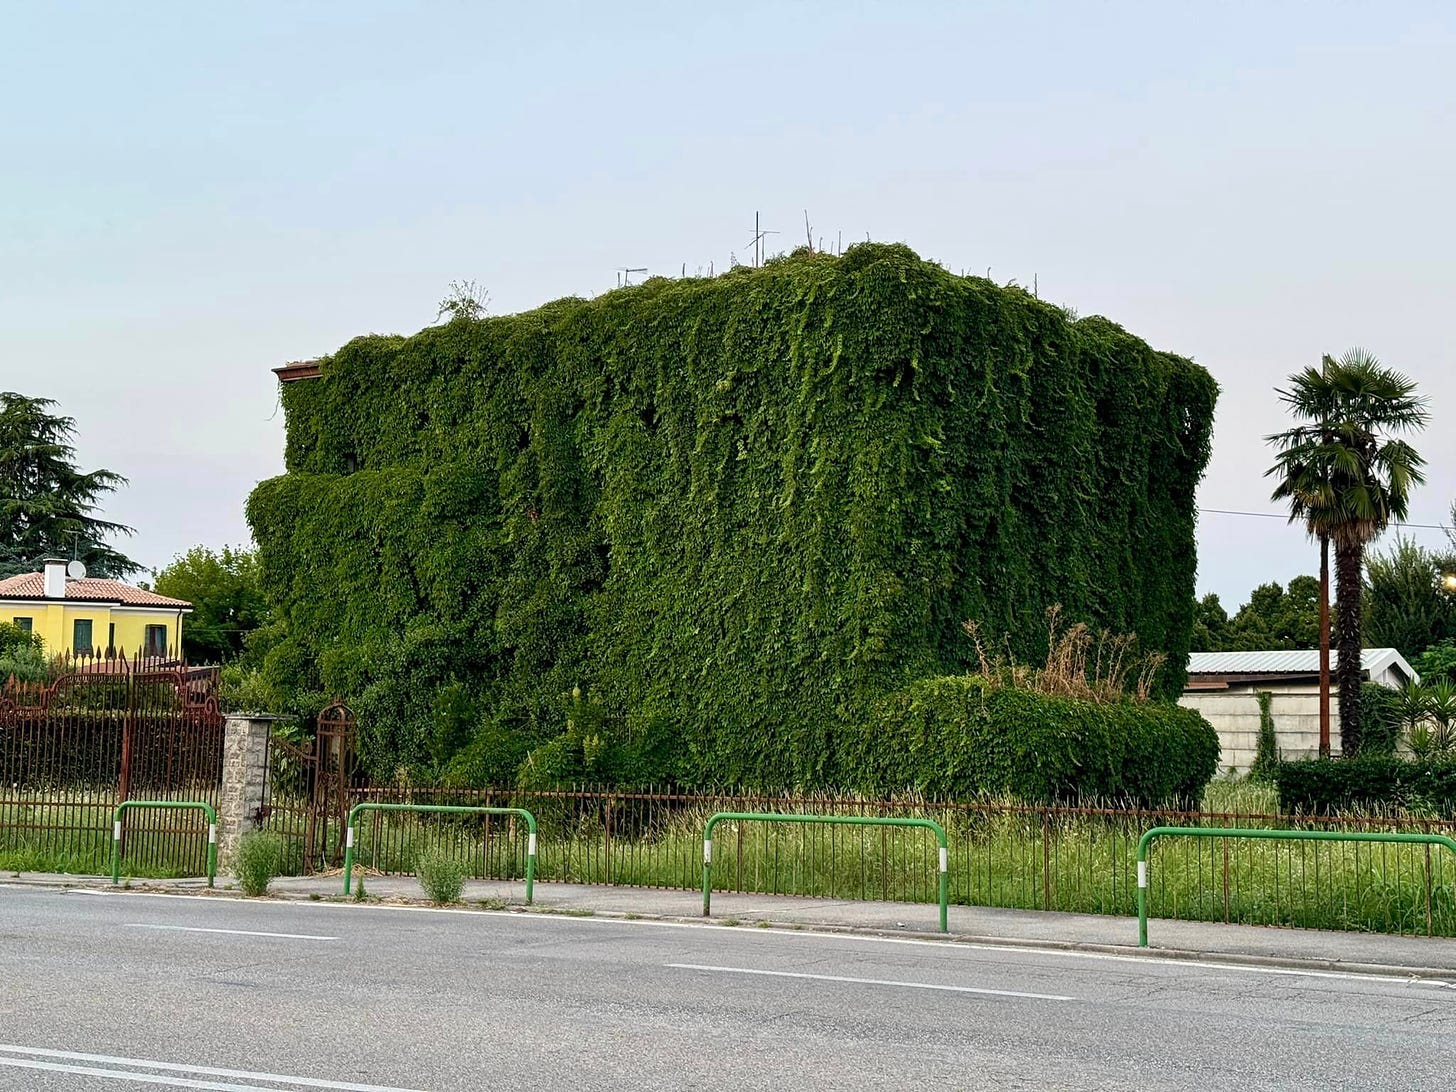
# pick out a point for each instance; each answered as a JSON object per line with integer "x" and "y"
{"x": 259, "y": 855}
{"x": 21, "y": 655}
{"x": 964, "y": 737}
{"x": 1322, "y": 786}
{"x": 441, "y": 874}
{"x": 244, "y": 689}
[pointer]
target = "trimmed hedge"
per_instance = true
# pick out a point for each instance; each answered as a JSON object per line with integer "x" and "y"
{"x": 747, "y": 506}
{"x": 1322, "y": 785}
{"x": 963, "y": 737}
{"x": 954, "y": 738}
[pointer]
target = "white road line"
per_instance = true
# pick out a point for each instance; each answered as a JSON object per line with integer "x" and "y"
{"x": 1395, "y": 977}
{"x": 173, "y": 1067}
{"x": 125, "y": 1075}
{"x": 871, "y": 981}
{"x": 230, "y": 932}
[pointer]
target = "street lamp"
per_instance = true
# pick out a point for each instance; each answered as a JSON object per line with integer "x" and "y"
{"x": 1448, "y": 581}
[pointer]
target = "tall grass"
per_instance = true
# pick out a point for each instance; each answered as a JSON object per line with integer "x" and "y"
{"x": 72, "y": 835}
{"x": 1001, "y": 855}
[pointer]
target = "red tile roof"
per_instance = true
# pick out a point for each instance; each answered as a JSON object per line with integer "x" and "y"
{"x": 32, "y": 586}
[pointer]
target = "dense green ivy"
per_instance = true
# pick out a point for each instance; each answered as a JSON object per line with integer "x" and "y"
{"x": 724, "y": 508}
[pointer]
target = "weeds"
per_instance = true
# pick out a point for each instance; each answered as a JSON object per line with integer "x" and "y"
{"x": 441, "y": 874}
{"x": 1082, "y": 663}
{"x": 257, "y": 864}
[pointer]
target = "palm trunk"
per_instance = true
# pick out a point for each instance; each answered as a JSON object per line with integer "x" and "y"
{"x": 1324, "y": 624}
{"x": 1349, "y": 560}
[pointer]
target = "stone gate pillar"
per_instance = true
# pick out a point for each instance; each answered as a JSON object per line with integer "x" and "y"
{"x": 244, "y": 782}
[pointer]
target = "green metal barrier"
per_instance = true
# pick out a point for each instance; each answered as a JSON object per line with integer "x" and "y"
{"x": 211, "y": 832}
{"x": 449, "y": 809}
{"x": 838, "y": 820}
{"x": 1277, "y": 835}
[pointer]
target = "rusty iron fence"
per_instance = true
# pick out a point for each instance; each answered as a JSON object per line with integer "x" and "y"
{"x": 98, "y": 731}
{"x": 1077, "y": 859}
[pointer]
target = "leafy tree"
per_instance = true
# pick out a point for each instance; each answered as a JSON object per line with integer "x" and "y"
{"x": 1347, "y": 477}
{"x": 48, "y": 505}
{"x": 226, "y": 597}
{"x": 1407, "y": 604}
{"x": 1210, "y": 625}
{"x": 1273, "y": 618}
{"x": 1437, "y": 662}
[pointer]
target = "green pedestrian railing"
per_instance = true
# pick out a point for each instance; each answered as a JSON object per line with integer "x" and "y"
{"x": 448, "y": 809}
{"x": 837, "y": 820}
{"x": 1276, "y": 835}
{"x": 198, "y": 804}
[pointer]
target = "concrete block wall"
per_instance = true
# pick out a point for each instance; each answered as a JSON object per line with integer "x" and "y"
{"x": 1234, "y": 715}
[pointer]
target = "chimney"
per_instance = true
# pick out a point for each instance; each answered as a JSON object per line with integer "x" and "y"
{"x": 55, "y": 578}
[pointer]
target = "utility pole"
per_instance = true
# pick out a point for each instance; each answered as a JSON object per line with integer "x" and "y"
{"x": 1324, "y": 662}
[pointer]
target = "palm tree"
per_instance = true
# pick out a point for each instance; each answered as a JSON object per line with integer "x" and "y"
{"x": 1347, "y": 478}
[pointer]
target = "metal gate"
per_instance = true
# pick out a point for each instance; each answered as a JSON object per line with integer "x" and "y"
{"x": 309, "y": 785}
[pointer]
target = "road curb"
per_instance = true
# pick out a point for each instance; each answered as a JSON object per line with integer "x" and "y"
{"x": 1406, "y": 972}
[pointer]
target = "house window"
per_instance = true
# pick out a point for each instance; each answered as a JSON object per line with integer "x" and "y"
{"x": 111, "y": 639}
{"x": 81, "y": 637}
{"x": 22, "y": 624}
{"x": 156, "y": 640}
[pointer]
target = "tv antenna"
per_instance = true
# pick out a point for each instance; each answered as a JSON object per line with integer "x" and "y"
{"x": 759, "y": 234}
{"x": 624, "y": 274}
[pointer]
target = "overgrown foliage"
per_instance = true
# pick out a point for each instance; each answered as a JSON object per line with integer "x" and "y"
{"x": 1266, "y": 753}
{"x": 720, "y": 511}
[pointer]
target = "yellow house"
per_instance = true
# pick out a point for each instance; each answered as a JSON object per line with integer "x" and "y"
{"x": 92, "y": 617}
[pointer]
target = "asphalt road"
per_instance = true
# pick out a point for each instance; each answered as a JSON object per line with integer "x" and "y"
{"x": 116, "y": 991}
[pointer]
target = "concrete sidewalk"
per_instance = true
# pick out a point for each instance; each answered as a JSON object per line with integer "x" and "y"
{"x": 1301, "y": 948}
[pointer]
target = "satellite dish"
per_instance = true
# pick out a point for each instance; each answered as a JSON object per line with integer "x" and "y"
{"x": 76, "y": 570}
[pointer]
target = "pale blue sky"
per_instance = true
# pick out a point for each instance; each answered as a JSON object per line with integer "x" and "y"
{"x": 191, "y": 196}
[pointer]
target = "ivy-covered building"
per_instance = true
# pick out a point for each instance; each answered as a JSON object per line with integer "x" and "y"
{"x": 720, "y": 517}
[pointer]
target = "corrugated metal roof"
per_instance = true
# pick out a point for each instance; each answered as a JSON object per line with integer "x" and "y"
{"x": 1373, "y": 660}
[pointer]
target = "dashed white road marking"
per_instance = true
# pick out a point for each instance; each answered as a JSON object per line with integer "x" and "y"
{"x": 230, "y": 932}
{"x": 810, "y": 933}
{"x": 870, "y": 981}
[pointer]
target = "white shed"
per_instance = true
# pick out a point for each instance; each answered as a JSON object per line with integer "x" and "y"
{"x": 1222, "y": 686}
